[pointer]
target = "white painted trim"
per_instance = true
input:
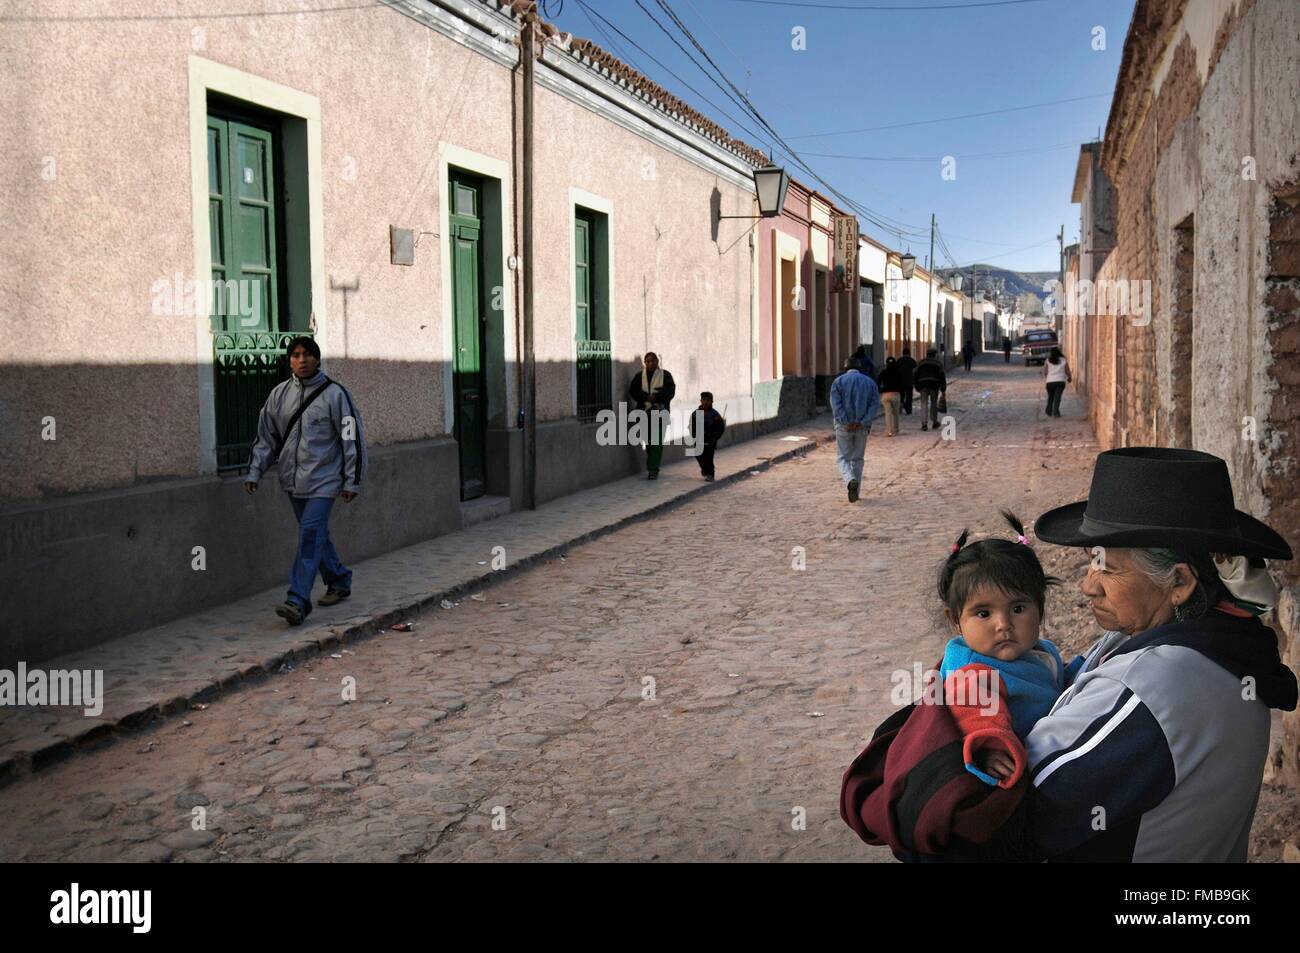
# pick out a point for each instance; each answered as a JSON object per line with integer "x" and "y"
{"x": 604, "y": 206}
{"x": 204, "y": 76}
{"x": 450, "y": 155}
{"x": 495, "y": 35}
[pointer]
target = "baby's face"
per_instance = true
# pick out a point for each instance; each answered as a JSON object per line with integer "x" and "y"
{"x": 998, "y": 624}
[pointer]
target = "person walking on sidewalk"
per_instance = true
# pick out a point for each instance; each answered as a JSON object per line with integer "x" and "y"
{"x": 854, "y": 402}
{"x": 1006, "y": 349}
{"x": 931, "y": 381}
{"x": 868, "y": 366}
{"x": 890, "y": 383}
{"x": 714, "y": 425}
{"x": 968, "y": 354}
{"x": 311, "y": 428}
{"x": 652, "y": 390}
{"x": 1056, "y": 372}
{"x": 907, "y": 367}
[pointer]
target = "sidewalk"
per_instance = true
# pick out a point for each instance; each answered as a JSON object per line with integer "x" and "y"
{"x": 169, "y": 668}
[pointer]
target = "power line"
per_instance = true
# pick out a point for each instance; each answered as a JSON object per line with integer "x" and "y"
{"x": 657, "y": 62}
{"x": 907, "y": 9}
{"x": 879, "y": 219}
{"x": 928, "y": 122}
{"x": 966, "y": 155}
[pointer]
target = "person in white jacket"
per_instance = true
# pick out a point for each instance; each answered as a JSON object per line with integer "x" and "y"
{"x": 311, "y": 427}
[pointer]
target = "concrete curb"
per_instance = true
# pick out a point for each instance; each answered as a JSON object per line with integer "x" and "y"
{"x": 104, "y": 733}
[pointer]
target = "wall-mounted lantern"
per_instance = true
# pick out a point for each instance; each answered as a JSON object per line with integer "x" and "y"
{"x": 770, "y": 186}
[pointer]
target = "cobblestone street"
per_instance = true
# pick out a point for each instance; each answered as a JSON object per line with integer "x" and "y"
{"x": 516, "y": 726}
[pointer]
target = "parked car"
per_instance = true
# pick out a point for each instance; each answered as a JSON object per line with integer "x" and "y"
{"x": 1036, "y": 345}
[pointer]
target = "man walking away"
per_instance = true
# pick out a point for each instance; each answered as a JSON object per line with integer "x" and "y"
{"x": 968, "y": 354}
{"x": 854, "y": 402}
{"x": 652, "y": 390}
{"x": 907, "y": 367}
{"x": 890, "y": 383}
{"x": 310, "y": 425}
{"x": 867, "y": 365}
{"x": 714, "y": 426}
{"x": 1006, "y": 349}
{"x": 931, "y": 381}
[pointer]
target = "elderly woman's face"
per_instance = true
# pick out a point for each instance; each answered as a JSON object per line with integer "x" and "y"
{"x": 1125, "y": 599}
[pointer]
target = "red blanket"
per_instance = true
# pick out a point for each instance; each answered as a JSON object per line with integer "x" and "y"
{"x": 909, "y": 789}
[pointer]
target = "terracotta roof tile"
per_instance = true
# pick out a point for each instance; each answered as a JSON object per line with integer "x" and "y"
{"x": 591, "y": 56}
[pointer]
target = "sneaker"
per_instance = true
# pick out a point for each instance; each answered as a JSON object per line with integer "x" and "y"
{"x": 853, "y": 491}
{"x": 924, "y": 427}
{"x": 333, "y": 597}
{"x": 708, "y": 478}
{"x": 290, "y": 612}
{"x": 652, "y": 475}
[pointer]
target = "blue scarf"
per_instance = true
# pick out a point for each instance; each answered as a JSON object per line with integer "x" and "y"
{"x": 1032, "y": 688}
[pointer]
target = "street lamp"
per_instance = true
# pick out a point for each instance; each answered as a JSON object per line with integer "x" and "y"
{"x": 908, "y": 265}
{"x": 770, "y": 186}
{"x": 955, "y": 281}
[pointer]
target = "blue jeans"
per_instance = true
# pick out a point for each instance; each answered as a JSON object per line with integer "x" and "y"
{"x": 851, "y": 447}
{"x": 316, "y": 551}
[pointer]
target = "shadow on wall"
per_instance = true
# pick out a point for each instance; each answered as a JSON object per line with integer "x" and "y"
{"x": 79, "y": 568}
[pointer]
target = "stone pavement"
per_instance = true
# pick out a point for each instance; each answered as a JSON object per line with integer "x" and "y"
{"x": 168, "y": 668}
{"x": 678, "y": 689}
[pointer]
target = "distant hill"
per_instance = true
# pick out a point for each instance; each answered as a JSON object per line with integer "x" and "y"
{"x": 1013, "y": 282}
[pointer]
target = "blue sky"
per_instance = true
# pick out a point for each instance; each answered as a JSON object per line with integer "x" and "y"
{"x": 875, "y": 67}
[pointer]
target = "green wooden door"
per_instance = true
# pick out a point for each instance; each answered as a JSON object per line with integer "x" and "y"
{"x": 469, "y": 325}
{"x": 242, "y": 227}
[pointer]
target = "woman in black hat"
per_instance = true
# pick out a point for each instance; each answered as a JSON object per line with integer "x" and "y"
{"x": 1156, "y": 751}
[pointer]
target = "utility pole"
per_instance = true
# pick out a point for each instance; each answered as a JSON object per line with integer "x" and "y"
{"x": 1057, "y": 322}
{"x": 529, "y": 397}
{"x": 929, "y": 315}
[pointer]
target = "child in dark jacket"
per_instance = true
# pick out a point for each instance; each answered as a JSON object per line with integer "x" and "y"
{"x": 998, "y": 676}
{"x": 714, "y": 425}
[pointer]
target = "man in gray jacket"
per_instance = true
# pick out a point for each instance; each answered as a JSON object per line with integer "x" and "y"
{"x": 311, "y": 427}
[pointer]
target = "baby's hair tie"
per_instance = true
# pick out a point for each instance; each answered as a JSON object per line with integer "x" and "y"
{"x": 1021, "y": 539}
{"x": 955, "y": 547}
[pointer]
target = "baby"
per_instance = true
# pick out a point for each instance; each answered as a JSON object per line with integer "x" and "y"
{"x": 999, "y": 677}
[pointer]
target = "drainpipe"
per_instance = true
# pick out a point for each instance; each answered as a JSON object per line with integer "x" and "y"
{"x": 529, "y": 396}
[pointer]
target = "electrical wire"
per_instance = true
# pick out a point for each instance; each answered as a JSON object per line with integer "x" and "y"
{"x": 929, "y": 122}
{"x": 896, "y": 9}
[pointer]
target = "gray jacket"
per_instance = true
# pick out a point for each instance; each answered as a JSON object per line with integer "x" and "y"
{"x": 325, "y": 453}
{"x": 1156, "y": 751}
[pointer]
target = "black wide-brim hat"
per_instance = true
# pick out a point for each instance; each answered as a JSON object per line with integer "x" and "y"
{"x": 1161, "y": 497}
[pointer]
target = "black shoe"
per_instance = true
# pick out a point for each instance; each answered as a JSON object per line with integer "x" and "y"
{"x": 708, "y": 478}
{"x": 853, "y": 491}
{"x": 924, "y": 427}
{"x": 652, "y": 475}
{"x": 333, "y": 597}
{"x": 290, "y": 612}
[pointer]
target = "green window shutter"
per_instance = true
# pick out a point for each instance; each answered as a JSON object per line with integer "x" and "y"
{"x": 582, "y": 273}
{"x": 253, "y": 209}
{"x": 218, "y": 206}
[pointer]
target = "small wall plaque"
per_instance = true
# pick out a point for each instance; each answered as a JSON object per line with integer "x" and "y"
{"x": 401, "y": 243}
